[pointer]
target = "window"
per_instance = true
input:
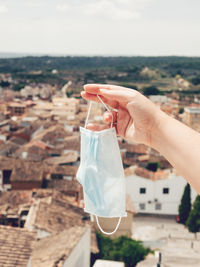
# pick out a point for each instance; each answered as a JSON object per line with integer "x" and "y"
{"x": 165, "y": 190}
{"x": 34, "y": 194}
{"x": 142, "y": 190}
{"x": 56, "y": 176}
{"x": 158, "y": 206}
{"x": 142, "y": 206}
{"x": 24, "y": 213}
{"x": 129, "y": 155}
{"x": 6, "y": 176}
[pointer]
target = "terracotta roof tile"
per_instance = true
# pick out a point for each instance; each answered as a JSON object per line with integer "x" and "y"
{"x": 27, "y": 171}
{"x": 16, "y": 246}
{"x": 52, "y": 133}
{"x": 57, "y": 216}
{"x": 71, "y": 156}
{"x": 72, "y": 143}
{"x": 135, "y": 148}
{"x": 65, "y": 185}
{"x": 65, "y": 170}
{"x": 57, "y": 212}
{"x": 15, "y": 198}
{"x": 144, "y": 173}
{"x": 56, "y": 248}
{"x": 6, "y": 163}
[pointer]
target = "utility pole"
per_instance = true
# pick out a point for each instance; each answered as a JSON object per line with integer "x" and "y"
{"x": 159, "y": 260}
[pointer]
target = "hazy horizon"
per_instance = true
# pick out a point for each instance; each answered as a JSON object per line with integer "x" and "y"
{"x": 21, "y": 54}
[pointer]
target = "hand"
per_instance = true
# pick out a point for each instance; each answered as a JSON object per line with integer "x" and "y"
{"x": 137, "y": 117}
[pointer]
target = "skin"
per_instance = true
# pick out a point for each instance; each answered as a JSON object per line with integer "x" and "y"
{"x": 137, "y": 119}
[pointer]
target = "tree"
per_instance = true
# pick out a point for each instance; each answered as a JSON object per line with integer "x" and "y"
{"x": 121, "y": 248}
{"x": 181, "y": 110}
{"x": 153, "y": 166}
{"x": 193, "y": 221}
{"x": 185, "y": 205}
{"x": 151, "y": 90}
{"x": 18, "y": 86}
{"x": 4, "y": 84}
{"x": 196, "y": 80}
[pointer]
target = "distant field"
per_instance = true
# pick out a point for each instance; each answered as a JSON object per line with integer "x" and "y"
{"x": 133, "y": 72}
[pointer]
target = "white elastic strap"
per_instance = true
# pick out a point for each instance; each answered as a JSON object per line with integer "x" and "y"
{"x": 89, "y": 110}
{"x": 107, "y": 109}
{"x": 110, "y": 233}
{"x": 88, "y": 114}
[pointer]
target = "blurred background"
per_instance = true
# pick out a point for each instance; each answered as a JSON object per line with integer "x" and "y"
{"x": 48, "y": 51}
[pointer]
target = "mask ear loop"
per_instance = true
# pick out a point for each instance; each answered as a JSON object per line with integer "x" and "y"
{"x": 108, "y": 233}
{"x": 88, "y": 114}
{"x": 108, "y": 109}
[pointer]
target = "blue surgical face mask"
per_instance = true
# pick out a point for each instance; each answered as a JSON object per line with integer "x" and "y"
{"x": 101, "y": 174}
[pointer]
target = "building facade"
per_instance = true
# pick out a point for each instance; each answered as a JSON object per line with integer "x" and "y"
{"x": 192, "y": 117}
{"x": 161, "y": 196}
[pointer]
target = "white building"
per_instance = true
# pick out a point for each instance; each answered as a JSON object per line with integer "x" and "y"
{"x": 161, "y": 196}
{"x": 106, "y": 263}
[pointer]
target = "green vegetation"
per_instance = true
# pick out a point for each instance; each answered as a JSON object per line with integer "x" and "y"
{"x": 122, "y": 249}
{"x": 153, "y": 166}
{"x": 155, "y": 75}
{"x": 181, "y": 110}
{"x": 193, "y": 221}
{"x": 18, "y": 86}
{"x": 168, "y": 65}
{"x": 150, "y": 90}
{"x": 4, "y": 84}
{"x": 185, "y": 205}
{"x": 195, "y": 80}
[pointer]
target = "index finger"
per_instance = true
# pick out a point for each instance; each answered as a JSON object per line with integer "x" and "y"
{"x": 95, "y": 88}
{"x": 93, "y": 97}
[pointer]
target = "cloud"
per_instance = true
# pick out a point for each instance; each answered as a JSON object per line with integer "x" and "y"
{"x": 62, "y": 7}
{"x": 3, "y": 9}
{"x": 110, "y": 9}
{"x": 117, "y": 9}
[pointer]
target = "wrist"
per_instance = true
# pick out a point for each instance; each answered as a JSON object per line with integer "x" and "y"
{"x": 160, "y": 121}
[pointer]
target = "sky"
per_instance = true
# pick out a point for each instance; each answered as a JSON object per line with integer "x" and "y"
{"x": 101, "y": 27}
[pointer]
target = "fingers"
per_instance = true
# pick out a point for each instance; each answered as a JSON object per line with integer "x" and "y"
{"x": 94, "y": 88}
{"x": 117, "y": 95}
{"x": 92, "y": 97}
{"x": 122, "y": 122}
{"x": 96, "y": 127}
{"x": 113, "y": 98}
{"x": 108, "y": 118}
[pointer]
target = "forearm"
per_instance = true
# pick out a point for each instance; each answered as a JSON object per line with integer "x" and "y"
{"x": 180, "y": 145}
